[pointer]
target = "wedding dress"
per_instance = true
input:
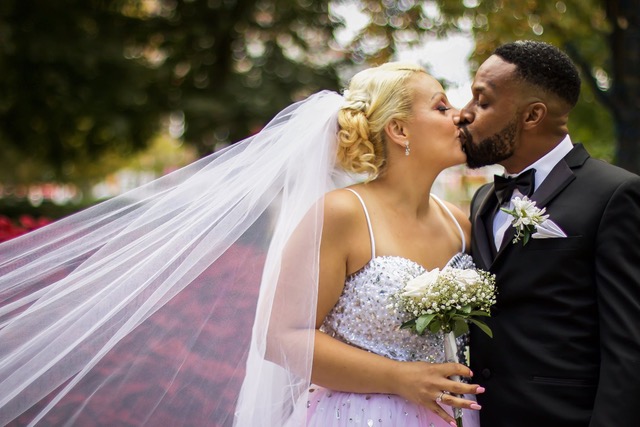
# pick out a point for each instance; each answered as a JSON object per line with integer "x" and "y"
{"x": 363, "y": 317}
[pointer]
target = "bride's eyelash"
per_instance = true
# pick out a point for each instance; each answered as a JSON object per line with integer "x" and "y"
{"x": 442, "y": 108}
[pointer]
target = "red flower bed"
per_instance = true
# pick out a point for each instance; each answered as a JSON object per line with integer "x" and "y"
{"x": 207, "y": 339}
{"x": 26, "y": 223}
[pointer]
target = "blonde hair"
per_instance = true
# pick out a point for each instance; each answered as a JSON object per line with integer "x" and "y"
{"x": 375, "y": 96}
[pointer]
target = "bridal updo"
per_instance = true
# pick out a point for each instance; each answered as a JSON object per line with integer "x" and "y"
{"x": 374, "y": 97}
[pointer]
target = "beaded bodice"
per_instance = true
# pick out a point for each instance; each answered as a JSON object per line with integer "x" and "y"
{"x": 364, "y": 315}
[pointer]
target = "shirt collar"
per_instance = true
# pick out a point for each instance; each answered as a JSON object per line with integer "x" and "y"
{"x": 546, "y": 163}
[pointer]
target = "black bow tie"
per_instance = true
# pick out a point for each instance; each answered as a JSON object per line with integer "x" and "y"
{"x": 525, "y": 183}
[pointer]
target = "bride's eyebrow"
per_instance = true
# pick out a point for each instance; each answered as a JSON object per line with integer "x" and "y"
{"x": 442, "y": 97}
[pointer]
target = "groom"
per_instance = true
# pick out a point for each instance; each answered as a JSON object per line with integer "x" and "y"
{"x": 566, "y": 345}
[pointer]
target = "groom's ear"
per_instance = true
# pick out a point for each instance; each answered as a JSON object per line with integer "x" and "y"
{"x": 396, "y": 132}
{"x": 534, "y": 114}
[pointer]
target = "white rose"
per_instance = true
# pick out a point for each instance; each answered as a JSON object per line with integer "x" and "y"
{"x": 468, "y": 277}
{"x": 418, "y": 285}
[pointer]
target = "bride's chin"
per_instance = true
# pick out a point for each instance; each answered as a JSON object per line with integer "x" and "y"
{"x": 461, "y": 156}
{"x": 457, "y": 161}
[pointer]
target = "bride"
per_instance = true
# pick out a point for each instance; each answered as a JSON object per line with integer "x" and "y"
{"x": 396, "y": 127}
{"x": 217, "y": 294}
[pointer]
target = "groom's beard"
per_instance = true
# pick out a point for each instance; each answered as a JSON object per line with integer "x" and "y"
{"x": 491, "y": 150}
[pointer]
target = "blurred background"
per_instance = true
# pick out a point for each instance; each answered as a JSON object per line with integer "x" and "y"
{"x": 98, "y": 97}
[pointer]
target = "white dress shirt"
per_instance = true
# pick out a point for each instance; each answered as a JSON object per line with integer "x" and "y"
{"x": 543, "y": 167}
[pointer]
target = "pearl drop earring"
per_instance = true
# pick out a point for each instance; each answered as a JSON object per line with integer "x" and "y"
{"x": 407, "y": 150}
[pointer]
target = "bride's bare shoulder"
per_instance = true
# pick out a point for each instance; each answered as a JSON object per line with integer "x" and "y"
{"x": 342, "y": 208}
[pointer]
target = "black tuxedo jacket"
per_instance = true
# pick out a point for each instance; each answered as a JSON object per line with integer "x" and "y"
{"x": 566, "y": 346}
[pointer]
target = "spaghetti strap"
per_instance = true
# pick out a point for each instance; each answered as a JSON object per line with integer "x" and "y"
{"x": 455, "y": 221}
{"x": 366, "y": 214}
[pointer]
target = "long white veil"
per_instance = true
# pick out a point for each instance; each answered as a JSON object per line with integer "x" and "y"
{"x": 189, "y": 301}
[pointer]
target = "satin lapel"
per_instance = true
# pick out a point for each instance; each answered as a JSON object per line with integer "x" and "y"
{"x": 506, "y": 241}
{"x": 483, "y": 236}
{"x": 559, "y": 177}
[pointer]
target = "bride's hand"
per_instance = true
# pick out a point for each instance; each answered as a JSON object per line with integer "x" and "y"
{"x": 424, "y": 383}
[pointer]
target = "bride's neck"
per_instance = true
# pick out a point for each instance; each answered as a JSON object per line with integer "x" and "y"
{"x": 404, "y": 190}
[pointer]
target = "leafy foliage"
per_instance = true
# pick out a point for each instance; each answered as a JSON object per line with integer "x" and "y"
{"x": 231, "y": 65}
{"x": 68, "y": 94}
{"x": 85, "y": 78}
{"x": 560, "y": 23}
{"x": 602, "y": 37}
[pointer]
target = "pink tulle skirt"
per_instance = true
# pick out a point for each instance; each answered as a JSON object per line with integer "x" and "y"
{"x": 327, "y": 408}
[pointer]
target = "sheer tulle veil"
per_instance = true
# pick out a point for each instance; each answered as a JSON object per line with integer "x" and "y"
{"x": 188, "y": 301}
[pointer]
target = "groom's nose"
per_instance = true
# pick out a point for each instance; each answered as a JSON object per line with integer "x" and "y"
{"x": 465, "y": 115}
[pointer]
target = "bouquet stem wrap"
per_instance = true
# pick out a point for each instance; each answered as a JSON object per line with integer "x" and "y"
{"x": 451, "y": 355}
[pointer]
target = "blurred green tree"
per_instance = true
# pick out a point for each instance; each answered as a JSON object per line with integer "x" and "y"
{"x": 90, "y": 79}
{"x": 67, "y": 92}
{"x": 602, "y": 37}
{"x": 83, "y": 79}
{"x": 230, "y": 65}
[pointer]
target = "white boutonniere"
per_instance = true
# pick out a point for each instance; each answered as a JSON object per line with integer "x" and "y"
{"x": 526, "y": 218}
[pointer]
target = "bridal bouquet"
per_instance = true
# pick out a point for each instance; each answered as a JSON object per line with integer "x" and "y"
{"x": 445, "y": 301}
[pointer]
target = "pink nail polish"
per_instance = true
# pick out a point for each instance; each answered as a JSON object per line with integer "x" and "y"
{"x": 453, "y": 424}
{"x": 470, "y": 373}
{"x": 480, "y": 390}
{"x": 475, "y": 406}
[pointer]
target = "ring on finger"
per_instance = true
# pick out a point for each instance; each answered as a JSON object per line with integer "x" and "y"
{"x": 439, "y": 398}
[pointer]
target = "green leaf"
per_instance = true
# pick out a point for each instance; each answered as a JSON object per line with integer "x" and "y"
{"x": 460, "y": 327}
{"x": 512, "y": 213}
{"x": 423, "y": 321}
{"x": 466, "y": 309}
{"x": 479, "y": 313}
{"x": 483, "y": 326}
{"x": 409, "y": 324}
{"x": 435, "y": 326}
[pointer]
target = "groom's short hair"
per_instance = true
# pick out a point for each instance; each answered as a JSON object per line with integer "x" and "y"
{"x": 544, "y": 66}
